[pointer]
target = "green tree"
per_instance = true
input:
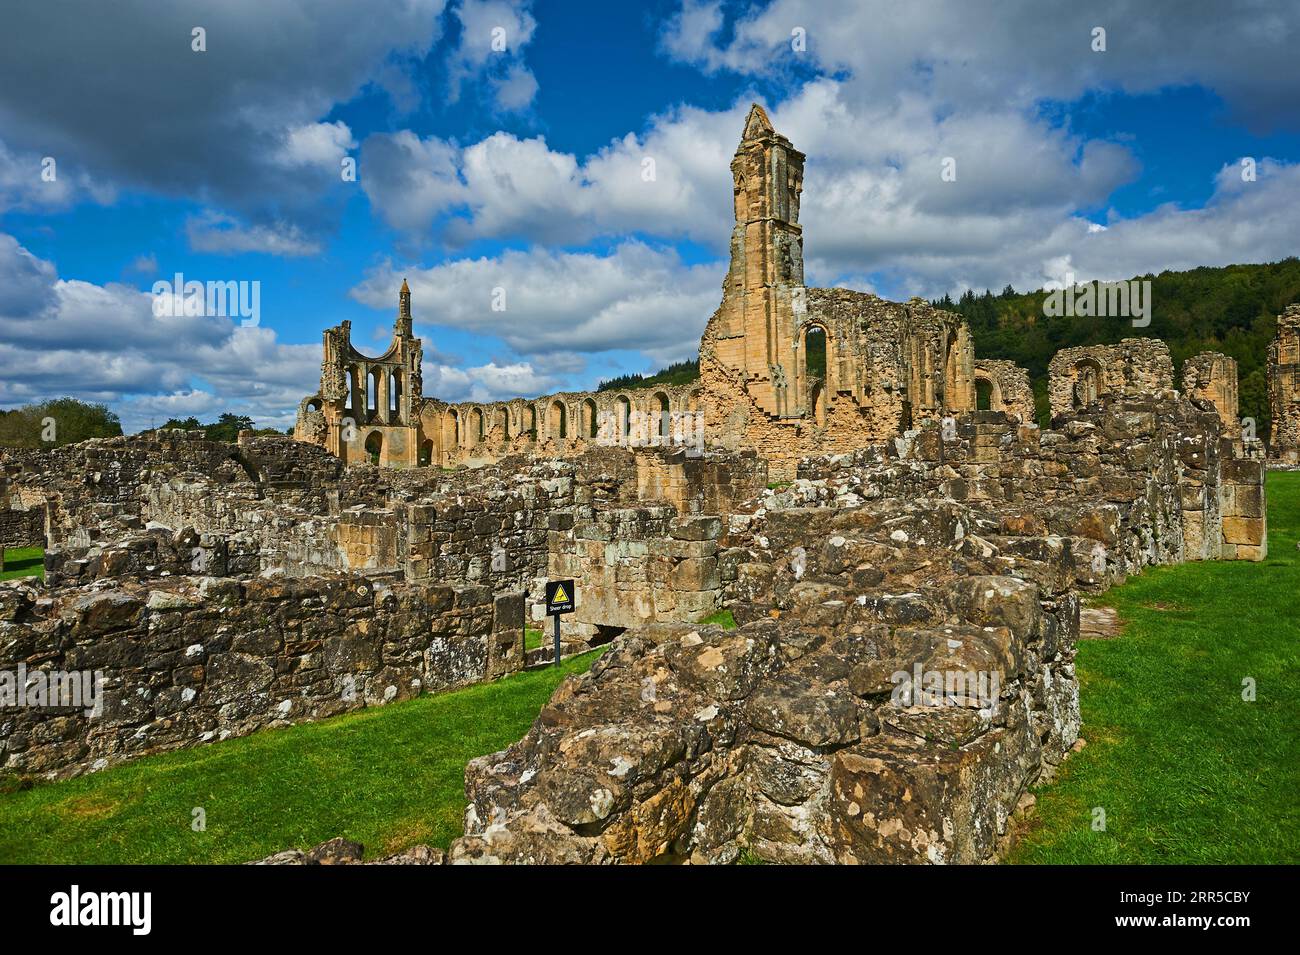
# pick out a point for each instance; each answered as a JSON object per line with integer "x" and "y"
{"x": 57, "y": 422}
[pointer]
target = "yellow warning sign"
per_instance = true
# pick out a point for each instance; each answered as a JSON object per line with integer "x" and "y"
{"x": 559, "y": 597}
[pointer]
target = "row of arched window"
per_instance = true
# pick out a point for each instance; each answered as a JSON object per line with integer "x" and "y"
{"x": 556, "y": 419}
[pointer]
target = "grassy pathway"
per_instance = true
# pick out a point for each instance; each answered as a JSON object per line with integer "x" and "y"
{"x": 388, "y": 777}
{"x": 1185, "y": 769}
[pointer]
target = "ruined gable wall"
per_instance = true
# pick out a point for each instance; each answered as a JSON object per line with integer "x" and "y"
{"x": 1134, "y": 368}
{"x": 889, "y": 366}
{"x": 1210, "y": 379}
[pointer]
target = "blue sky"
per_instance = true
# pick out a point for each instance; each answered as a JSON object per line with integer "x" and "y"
{"x": 523, "y": 169}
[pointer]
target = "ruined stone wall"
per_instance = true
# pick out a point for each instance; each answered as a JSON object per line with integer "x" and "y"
{"x": 1135, "y": 368}
{"x": 889, "y": 367}
{"x": 1284, "y": 388}
{"x": 784, "y": 738}
{"x": 191, "y": 660}
{"x": 807, "y": 735}
{"x": 1164, "y": 471}
{"x": 22, "y": 528}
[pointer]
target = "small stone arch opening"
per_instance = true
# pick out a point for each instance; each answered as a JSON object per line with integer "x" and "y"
{"x": 374, "y": 447}
{"x": 623, "y": 417}
{"x": 985, "y": 394}
{"x": 1087, "y": 383}
{"x": 559, "y": 424}
{"x": 450, "y": 429}
{"x": 662, "y": 409}
{"x": 372, "y": 390}
{"x": 590, "y": 419}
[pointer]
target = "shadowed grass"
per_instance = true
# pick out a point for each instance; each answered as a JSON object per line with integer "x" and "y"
{"x": 23, "y": 562}
{"x": 389, "y": 777}
{"x": 1185, "y": 769}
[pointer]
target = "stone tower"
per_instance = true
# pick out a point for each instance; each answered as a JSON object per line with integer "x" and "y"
{"x": 763, "y": 298}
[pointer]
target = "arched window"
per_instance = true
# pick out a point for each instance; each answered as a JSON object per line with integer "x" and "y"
{"x": 589, "y": 422}
{"x": 814, "y": 372}
{"x": 661, "y": 407}
{"x": 450, "y": 429}
{"x": 426, "y": 453}
{"x": 532, "y": 422}
{"x": 814, "y": 350}
{"x": 476, "y": 426}
{"x": 504, "y": 423}
{"x": 623, "y": 411}
{"x": 559, "y": 426}
{"x": 374, "y": 446}
{"x": 394, "y": 392}
{"x": 372, "y": 389}
{"x": 983, "y": 394}
{"x": 349, "y": 386}
{"x": 1087, "y": 385}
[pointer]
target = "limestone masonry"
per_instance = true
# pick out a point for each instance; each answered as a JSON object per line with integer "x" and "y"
{"x": 902, "y": 547}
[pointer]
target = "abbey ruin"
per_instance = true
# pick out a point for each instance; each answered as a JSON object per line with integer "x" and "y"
{"x": 904, "y": 551}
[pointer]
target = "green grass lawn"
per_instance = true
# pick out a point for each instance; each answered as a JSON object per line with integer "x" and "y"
{"x": 388, "y": 777}
{"x": 23, "y": 562}
{"x": 722, "y": 618}
{"x": 533, "y": 638}
{"x": 1185, "y": 769}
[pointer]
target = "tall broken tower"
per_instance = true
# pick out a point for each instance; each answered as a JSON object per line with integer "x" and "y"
{"x": 763, "y": 296}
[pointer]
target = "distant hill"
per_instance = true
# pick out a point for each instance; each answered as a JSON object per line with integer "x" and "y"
{"x": 680, "y": 373}
{"x": 1232, "y": 309}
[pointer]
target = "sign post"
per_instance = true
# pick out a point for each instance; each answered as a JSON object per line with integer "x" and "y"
{"x": 559, "y": 600}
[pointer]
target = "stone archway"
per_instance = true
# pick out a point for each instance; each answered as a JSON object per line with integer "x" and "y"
{"x": 559, "y": 425}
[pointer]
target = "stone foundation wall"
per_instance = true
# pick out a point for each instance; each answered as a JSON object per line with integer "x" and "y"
{"x": 192, "y": 660}
{"x": 802, "y": 736}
